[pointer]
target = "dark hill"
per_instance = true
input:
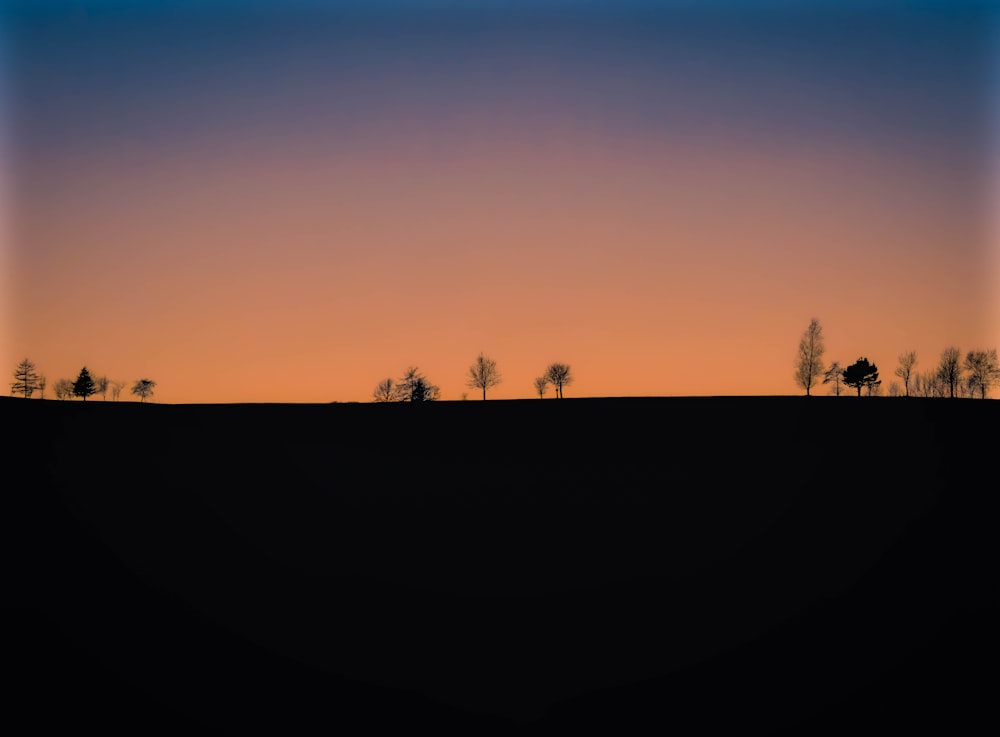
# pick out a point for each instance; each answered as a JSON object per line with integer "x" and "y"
{"x": 804, "y": 564}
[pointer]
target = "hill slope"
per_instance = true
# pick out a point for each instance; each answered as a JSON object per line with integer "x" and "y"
{"x": 783, "y": 562}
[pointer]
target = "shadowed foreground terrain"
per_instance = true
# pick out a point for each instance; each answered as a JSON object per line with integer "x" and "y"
{"x": 763, "y": 562}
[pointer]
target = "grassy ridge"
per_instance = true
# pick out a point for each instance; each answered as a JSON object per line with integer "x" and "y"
{"x": 727, "y": 560}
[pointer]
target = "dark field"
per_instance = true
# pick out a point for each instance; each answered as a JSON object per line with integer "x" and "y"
{"x": 808, "y": 565}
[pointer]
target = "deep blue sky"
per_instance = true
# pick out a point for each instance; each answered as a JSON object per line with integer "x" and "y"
{"x": 916, "y": 74}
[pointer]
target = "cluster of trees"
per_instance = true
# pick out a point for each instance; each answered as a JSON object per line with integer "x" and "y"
{"x": 27, "y": 381}
{"x": 483, "y": 375}
{"x": 412, "y": 387}
{"x": 953, "y": 376}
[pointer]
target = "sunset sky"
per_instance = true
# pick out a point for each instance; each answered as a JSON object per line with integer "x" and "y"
{"x": 291, "y": 201}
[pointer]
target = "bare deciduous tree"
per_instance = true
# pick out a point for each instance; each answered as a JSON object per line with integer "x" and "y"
{"x": 834, "y": 375}
{"x": 541, "y": 384}
{"x": 949, "y": 369}
{"x": 387, "y": 391}
{"x": 905, "y": 369}
{"x": 983, "y": 371}
{"x": 483, "y": 374}
{"x": 928, "y": 384}
{"x": 810, "y": 360}
{"x": 116, "y": 389}
{"x": 873, "y": 388}
{"x": 558, "y": 374}
{"x": 63, "y": 389}
{"x": 143, "y": 388}
{"x": 26, "y": 379}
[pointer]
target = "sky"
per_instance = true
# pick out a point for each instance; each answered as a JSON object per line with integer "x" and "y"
{"x": 292, "y": 201}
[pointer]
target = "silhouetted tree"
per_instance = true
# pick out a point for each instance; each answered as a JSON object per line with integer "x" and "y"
{"x": 143, "y": 388}
{"x": 928, "y": 384}
{"x": 861, "y": 375}
{"x": 558, "y": 374}
{"x": 949, "y": 370}
{"x": 905, "y": 369}
{"x": 810, "y": 361}
{"x": 116, "y": 389}
{"x": 101, "y": 386}
{"x": 26, "y": 379}
{"x": 834, "y": 375}
{"x": 967, "y": 387}
{"x": 984, "y": 371}
{"x": 84, "y": 385}
{"x": 63, "y": 389}
{"x": 387, "y": 391}
{"x": 541, "y": 384}
{"x": 414, "y": 387}
{"x": 483, "y": 374}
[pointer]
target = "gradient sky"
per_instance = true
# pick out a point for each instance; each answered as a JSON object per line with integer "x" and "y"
{"x": 291, "y": 201}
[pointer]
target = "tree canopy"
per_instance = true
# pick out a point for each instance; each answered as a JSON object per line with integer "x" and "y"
{"x": 84, "y": 386}
{"x": 862, "y": 375}
{"x": 983, "y": 368}
{"x": 26, "y": 379}
{"x": 143, "y": 388}
{"x": 558, "y": 374}
{"x": 810, "y": 365}
{"x": 414, "y": 387}
{"x": 483, "y": 374}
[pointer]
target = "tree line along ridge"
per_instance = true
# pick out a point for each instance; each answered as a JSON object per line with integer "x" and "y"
{"x": 973, "y": 376}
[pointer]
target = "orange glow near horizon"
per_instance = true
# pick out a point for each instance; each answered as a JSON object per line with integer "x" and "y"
{"x": 230, "y": 263}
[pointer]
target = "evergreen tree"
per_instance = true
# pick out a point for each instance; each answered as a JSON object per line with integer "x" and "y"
{"x": 414, "y": 387}
{"x": 26, "y": 379}
{"x": 84, "y": 386}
